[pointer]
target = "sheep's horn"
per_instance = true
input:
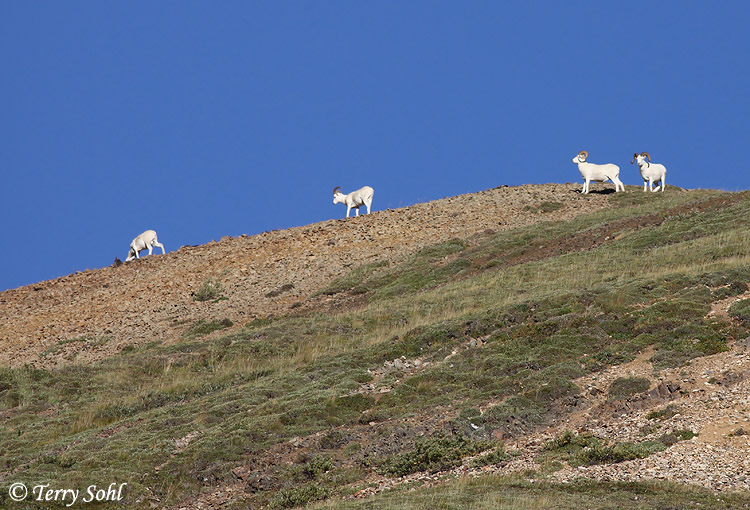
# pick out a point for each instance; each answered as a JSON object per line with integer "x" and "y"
{"x": 336, "y": 188}
{"x": 585, "y": 154}
{"x": 647, "y": 156}
{"x": 634, "y": 156}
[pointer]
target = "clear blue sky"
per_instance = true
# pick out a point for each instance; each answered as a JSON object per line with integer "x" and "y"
{"x": 207, "y": 119}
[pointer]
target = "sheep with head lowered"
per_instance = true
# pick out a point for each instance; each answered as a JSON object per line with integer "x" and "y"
{"x": 650, "y": 172}
{"x": 355, "y": 199}
{"x": 146, "y": 240}
{"x": 597, "y": 173}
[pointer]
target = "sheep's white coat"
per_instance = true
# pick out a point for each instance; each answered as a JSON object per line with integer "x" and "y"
{"x": 355, "y": 199}
{"x": 651, "y": 173}
{"x": 598, "y": 173}
{"x": 146, "y": 240}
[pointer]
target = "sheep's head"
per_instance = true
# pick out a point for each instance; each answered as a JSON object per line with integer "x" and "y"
{"x": 338, "y": 196}
{"x": 581, "y": 158}
{"x": 131, "y": 255}
{"x": 641, "y": 157}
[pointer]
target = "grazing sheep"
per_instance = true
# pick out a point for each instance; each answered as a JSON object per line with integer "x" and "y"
{"x": 146, "y": 240}
{"x": 355, "y": 199}
{"x": 651, "y": 172}
{"x": 598, "y": 173}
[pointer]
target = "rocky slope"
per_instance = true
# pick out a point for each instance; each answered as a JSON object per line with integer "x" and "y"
{"x": 152, "y": 299}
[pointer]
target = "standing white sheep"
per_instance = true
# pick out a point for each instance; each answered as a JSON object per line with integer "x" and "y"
{"x": 355, "y": 199}
{"x": 146, "y": 240}
{"x": 651, "y": 172}
{"x": 597, "y": 173}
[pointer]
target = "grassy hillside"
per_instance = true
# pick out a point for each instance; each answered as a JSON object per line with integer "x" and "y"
{"x": 420, "y": 367}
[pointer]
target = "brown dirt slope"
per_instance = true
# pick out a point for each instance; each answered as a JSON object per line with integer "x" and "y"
{"x": 262, "y": 275}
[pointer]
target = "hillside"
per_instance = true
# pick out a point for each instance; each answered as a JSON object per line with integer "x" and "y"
{"x": 522, "y": 346}
{"x": 154, "y": 299}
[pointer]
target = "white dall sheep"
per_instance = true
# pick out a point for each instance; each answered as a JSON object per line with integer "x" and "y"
{"x": 146, "y": 240}
{"x": 355, "y": 199}
{"x": 651, "y": 172}
{"x": 597, "y": 173}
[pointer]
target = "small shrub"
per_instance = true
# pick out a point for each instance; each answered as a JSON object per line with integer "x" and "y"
{"x": 299, "y": 496}
{"x": 740, "y": 310}
{"x": 434, "y": 454}
{"x": 586, "y": 449}
{"x": 624, "y": 387}
{"x": 494, "y": 457}
{"x": 209, "y": 291}
{"x": 317, "y": 466}
{"x": 561, "y": 441}
{"x": 673, "y": 437}
{"x": 600, "y": 453}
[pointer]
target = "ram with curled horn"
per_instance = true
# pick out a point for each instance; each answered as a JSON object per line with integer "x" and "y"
{"x": 597, "y": 173}
{"x": 355, "y": 199}
{"x": 650, "y": 172}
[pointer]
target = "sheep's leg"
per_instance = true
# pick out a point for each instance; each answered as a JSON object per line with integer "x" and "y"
{"x": 645, "y": 185}
{"x": 663, "y": 183}
{"x": 348, "y": 208}
{"x": 160, "y": 246}
{"x": 356, "y": 211}
{"x": 150, "y": 249}
{"x": 368, "y": 204}
{"x": 618, "y": 184}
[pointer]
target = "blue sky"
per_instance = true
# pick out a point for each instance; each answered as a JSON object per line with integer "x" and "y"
{"x": 207, "y": 119}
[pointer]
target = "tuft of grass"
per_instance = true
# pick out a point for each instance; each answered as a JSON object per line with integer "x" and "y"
{"x": 210, "y": 290}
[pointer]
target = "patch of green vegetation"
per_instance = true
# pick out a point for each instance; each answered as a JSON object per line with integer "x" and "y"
{"x": 587, "y": 450}
{"x": 202, "y": 328}
{"x": 299, "y": 496}
{"x": 352, "y": 281}
{"x": 433, "y": 454}
{"x": 496, "y": 456}
{"x": 625, "y": 387}
{"x": 675, "y": 436}
{"x": 740, "y": 310}
{"x": 427, "y": 268}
